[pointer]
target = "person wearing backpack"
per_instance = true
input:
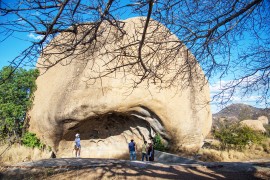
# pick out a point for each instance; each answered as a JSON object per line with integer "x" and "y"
{"x": 132, "y": 150}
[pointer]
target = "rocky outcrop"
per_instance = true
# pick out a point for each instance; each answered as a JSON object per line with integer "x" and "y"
{"x": 241, "y": 112}
{"x": 263, "y": 119}
{"x": 220, "y": 121}
{"x": 80, "y": 95}
{"x": 254, "y": 124}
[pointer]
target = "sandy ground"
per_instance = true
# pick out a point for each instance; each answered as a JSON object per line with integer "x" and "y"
{"x": 85, "y": 168}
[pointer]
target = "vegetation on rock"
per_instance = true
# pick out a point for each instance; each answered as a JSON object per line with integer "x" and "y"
{"x": 30, "y": 140}
{"x": 158, "y": 143}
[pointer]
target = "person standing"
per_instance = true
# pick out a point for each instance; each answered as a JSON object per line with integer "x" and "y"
{"x": 132, "y": 150}
{"x": 77, "y": 146}
{"x": 150, "y": 152}
{"x": 144, "y": 151}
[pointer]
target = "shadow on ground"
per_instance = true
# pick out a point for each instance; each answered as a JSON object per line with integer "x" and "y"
{"x": 86, "y": 168}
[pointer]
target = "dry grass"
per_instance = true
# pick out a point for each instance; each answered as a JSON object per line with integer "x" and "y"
{"x": 17, "y": 153}
{"x": 253, "y": 152}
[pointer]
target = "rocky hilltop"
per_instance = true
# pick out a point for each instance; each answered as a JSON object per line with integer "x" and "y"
{"x": 239, "y": 112}
{"x": 251, "y": 116}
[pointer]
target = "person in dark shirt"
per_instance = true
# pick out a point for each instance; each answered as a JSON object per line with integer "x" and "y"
{"x": 132, "y": 150}
{"x": 151, "y": 152}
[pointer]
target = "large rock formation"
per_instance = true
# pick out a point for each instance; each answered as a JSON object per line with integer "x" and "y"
{"x": 263, "y": 119}
{"x": 256, "y": 125}
{"x": 79, "y": 95}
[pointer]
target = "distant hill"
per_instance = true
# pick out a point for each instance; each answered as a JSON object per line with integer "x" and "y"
{"x": 241, "y": 112}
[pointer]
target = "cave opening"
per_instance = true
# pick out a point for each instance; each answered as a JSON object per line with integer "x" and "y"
{"x": 107, "y": 135}
{"x": 111, "y": 124}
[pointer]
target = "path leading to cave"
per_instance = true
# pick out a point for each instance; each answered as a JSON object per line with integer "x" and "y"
{"x": 88, "y": 168}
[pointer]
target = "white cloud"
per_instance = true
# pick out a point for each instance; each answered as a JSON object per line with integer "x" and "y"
{"x": 236, "y": 97}
{"x": 217, "y": 88}
{"x": 35, "y": 37}
{"x": 220, "y": 84}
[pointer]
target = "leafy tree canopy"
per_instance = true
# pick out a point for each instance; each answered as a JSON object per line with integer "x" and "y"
{"x": 15, "y": 98}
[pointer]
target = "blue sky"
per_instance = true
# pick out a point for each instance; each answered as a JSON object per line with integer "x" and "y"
{"x": 9, "y": 50}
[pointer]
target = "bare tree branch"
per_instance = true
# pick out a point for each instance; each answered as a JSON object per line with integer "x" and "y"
{"x": 229, "y": 39}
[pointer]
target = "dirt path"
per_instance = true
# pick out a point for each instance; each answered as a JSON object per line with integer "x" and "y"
{"x": 85, "y": 168}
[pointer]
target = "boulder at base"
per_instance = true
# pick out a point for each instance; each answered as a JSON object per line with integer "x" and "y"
{"x": 263, "y": 119}
{"x": 80, "y": 94}
{"x": 254, "y": 124}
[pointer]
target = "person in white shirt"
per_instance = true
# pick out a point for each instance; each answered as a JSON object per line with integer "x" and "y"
{"x": 77, "y": 146}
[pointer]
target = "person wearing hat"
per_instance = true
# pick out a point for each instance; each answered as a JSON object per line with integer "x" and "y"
{"x": 77, "y": 146}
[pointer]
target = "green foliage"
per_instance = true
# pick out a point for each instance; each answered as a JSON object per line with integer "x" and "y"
{"x": 158, "y": 144}
{"x": 16, "y": 88}
{"x": 30, "y": 140}
{"x": 237, "y": 137}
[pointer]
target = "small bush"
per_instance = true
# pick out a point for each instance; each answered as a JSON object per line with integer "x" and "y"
{"x": 158, "y": 144}
{"x": 266, "y": 145}
{"x": 30, "y": 140}
{"x": 237, "y": 137}
{"x": 267, "y": 128}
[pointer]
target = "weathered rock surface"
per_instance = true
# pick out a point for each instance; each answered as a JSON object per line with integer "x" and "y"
{"x": 263, "y": 119}
{"x": 254, "y": 124}
{"x": 108, "y": 110}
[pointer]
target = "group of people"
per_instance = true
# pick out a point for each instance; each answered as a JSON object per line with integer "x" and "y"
{"x": 147, "y": 151}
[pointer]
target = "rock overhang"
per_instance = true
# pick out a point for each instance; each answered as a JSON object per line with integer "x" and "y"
{"x": 111, "y": 130}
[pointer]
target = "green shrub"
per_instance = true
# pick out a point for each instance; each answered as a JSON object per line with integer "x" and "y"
{"x": 30, "y": 140}
{"x": 158, "y": 143}
{"x": 237, "y": 137}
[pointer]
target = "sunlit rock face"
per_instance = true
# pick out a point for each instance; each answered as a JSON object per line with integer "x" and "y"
{"x": 263, "y": 119}
{"x": 80, "y": 95}
{"x": 256, "y": 125}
